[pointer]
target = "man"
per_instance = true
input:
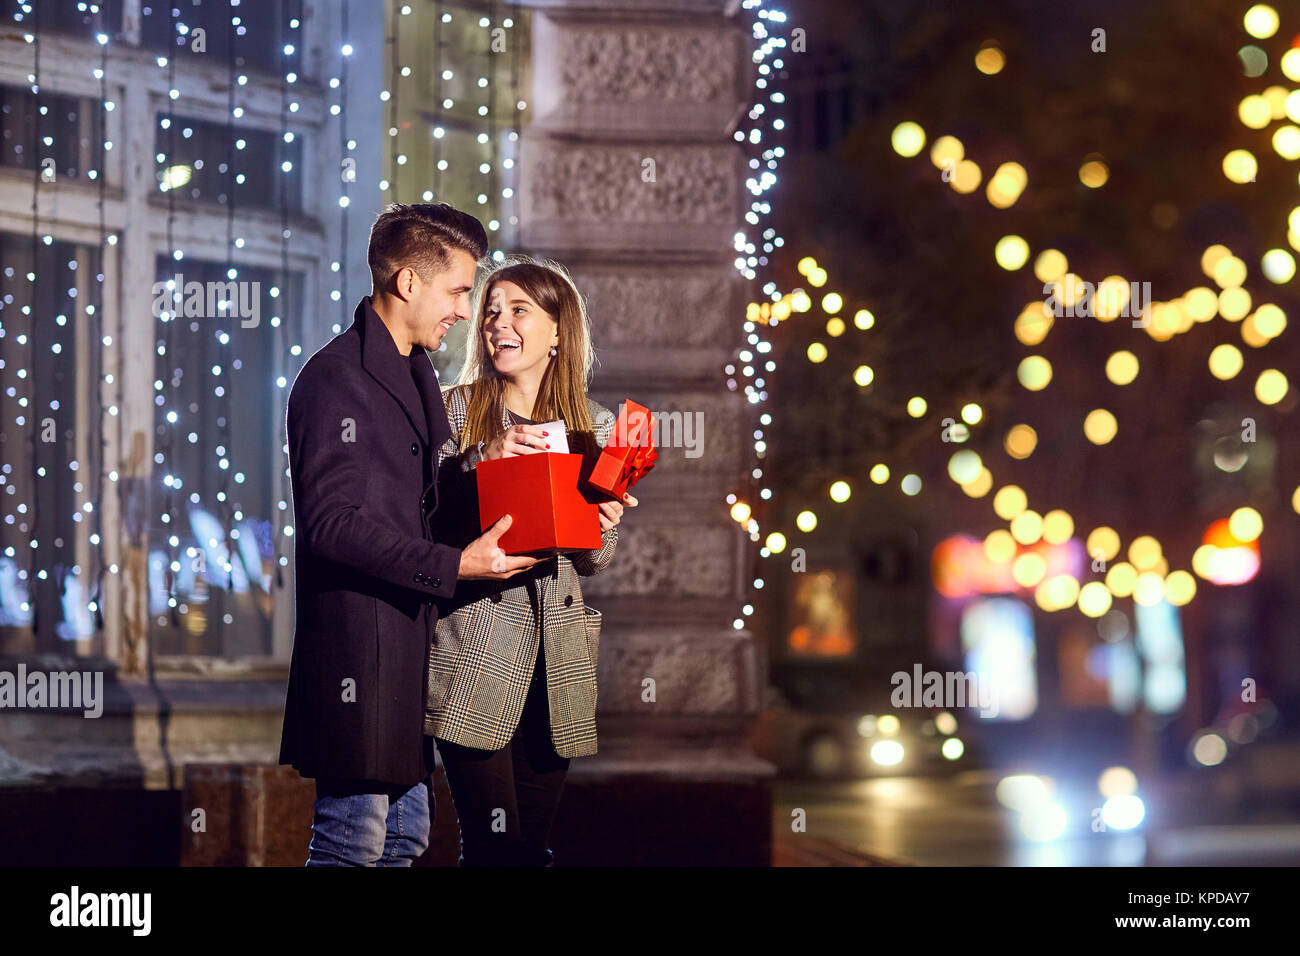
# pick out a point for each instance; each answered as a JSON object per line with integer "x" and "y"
{"x": 365, "y": 421}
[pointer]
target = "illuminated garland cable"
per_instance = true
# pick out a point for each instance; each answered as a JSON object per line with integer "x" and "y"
{"x": 755, "y": 244}
{"x": 30, "y": 349}
{"x": 97, "y": 535}
{"x": 281, "y": 329}
{"x": 391, "y": 95}
{"x": 341, "y": 294}
{"x": 439, "y": 16}
{"x": 173, "y": 541}
{"x": 226, "y": 401}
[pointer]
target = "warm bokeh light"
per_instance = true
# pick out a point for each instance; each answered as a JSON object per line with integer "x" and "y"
{"x": 1050, "y": 265}
{"x": 980, "y": 485}
{"x": 832, "y": 302}
{"x": 1122, "y": 367}
{"x": 1058, "y": 526}
{"x": 834, "y": 326}
{"x": 1201, "y": 303}
{"x": 1145, "y": 552}
{"x": 966, "y": 177}
{"x": 999, "y": 546}
{"x": 1103, "y": 543}
{"x": 1246, "y": 524}
{"x": 1033, "y": 323}
{"x": 816, "y": 352}
{"x": 1028, "y": 569}
{"x": 1027, "y": 527}
{"x": 1240, "y": 166}
{"x": 971, "y": 413}
{"x": 1021, "y": 441}
{"x": 1011, "y": 252}
{"x": 964, "y": 466}
{"x": 1269, "y": 320}
{"x": 1149, "y": 590}
{"x": 947, "y": 152}
{"x": 1034, "y": 372}
{"x": 775, "y": 542}
{"x": 1006, "y": 184}
{"x": 1057, "y": 592}
{"x": 1009, "y": 502}
{"x": 840, "y": 491}
{"x": 1234, "y": 304}
{"x": 1111, "y": 298}
{"x": 990, "y": 60}
{"x": 1260, "y": 21}
{"x": 1211, "y": 256}
{"x": 1271, "y": 386}
{"x": 1100, "y": 426}
{"x": 1286, "y": 141}
{"x": 1225, "y": 361}
{"x": 740, "y": 512}
{"x": 1180, "y": 588}
{"x": 1254, "y": 111}
{"x": 863, "y": 319}
{"x": 1121, "y": 579}
{"x": 916, "y": 406}
{"x": 863, "y": 375}
{"x": 1229, "y": 272}
{"x": 1094, "y": 173}
{"x": 908, "y": 139}
{"x": 1094, "y": 599}
{"x": 879, "y": 473}
{"x": 805, "y": 521}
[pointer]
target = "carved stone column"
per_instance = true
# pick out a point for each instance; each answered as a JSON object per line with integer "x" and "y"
{"x": 631, "y": 178}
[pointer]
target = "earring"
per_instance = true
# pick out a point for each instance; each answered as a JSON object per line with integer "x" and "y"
{"x": 552, "y": 351}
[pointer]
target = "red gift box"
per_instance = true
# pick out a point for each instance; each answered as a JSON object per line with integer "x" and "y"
{"x": 540, "y": 491}
{"x": 628, "y": 455}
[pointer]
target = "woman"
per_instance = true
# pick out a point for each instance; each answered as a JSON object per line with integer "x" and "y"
{"x": 512, "y": 673}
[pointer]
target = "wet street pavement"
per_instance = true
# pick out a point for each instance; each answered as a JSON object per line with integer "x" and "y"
{"x": 958, "y": 820}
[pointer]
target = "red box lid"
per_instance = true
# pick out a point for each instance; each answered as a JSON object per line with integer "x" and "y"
{"x": 629, "y": 454}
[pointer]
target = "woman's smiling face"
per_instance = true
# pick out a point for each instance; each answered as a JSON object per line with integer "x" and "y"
{"x": 517, "y": 333}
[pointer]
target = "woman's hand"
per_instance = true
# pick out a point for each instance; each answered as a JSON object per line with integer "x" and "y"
{"x": 516, "y": 440}
{"x": 612, "y": 511}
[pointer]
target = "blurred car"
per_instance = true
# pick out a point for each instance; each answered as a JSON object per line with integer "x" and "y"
{"x": 824, "y": 726}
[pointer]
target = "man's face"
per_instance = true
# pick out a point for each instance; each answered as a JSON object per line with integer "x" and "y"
{"x": 443, "y": 301}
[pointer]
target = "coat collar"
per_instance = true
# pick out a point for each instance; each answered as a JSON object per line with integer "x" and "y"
{"x": 393, "y": 370}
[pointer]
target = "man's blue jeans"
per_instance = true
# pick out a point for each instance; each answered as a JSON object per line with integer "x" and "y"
{"x": 361, "y": 823}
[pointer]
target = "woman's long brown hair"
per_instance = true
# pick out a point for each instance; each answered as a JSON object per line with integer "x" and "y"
{"x": 562, "y": 393}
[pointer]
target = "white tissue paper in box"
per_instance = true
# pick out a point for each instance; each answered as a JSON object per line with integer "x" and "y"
{"x": 556, "y": 436}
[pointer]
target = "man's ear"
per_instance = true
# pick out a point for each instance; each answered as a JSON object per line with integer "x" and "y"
{"x": 404, "y": 282}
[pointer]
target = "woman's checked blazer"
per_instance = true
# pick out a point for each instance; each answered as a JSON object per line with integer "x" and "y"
{"x": 485, "y": 641}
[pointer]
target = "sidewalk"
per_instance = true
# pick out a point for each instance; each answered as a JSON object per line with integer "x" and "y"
{"x": 800, "y": 849}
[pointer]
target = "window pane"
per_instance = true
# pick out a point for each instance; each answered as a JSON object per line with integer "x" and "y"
{"x": 47, "y": 469}
{"x": 206, "y": 161}
{"x": 218, "y": 463}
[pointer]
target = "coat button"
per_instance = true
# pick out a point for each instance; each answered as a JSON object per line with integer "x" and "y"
{"x": 419, "y": 578}
{"x": 568, "y": 600}
{"x": 415, "y": 449}
{"x": 436, "y": 583}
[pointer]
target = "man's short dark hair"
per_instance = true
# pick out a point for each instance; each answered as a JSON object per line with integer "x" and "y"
{"x": 422, "y": 236}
